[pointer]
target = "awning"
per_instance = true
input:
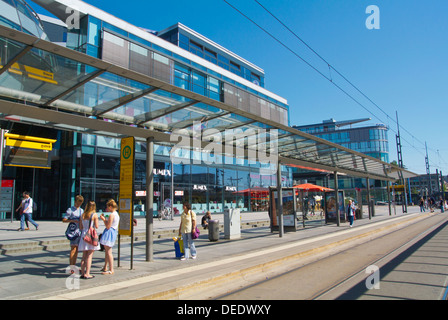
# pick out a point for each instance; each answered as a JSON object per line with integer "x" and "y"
{"x": 129, "y": 103}
{"x": 312, "y": 187}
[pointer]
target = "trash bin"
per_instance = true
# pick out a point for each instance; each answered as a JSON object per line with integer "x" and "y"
{"x": 213, "y": 230}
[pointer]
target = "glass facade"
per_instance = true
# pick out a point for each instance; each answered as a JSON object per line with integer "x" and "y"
{"x": 179, "y": 36}
{"x": 206, "y": 187}
{"x": 370, "y": 140}
{"x": 89, "y": 164}
{"x": 18, "y": 15}
{"x": 112, "y": 44}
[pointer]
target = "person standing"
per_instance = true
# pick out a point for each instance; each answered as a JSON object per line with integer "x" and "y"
{"x": 422, "y": 204}
{"x": 73, "y": 214}
{"x": 187, "y": 225}
{"x": 351, "y": 212}
{"x": 109, "y": 235}
{"x": 27, "y": 209}
{"x": 88, "y": 218}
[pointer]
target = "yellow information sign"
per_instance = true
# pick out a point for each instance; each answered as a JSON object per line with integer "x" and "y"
{"x": 20, "y": 141}
{"x": 27, "y": 151}
{"x": 125, "y": 202}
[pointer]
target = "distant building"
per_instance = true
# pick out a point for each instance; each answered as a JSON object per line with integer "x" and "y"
{"x": 426, "y": 184}
{"x": 371, "y": 140}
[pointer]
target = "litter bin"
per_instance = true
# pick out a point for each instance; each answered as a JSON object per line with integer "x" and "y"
{"x": 213, "y": 230}
{"x": 372, "y": 207}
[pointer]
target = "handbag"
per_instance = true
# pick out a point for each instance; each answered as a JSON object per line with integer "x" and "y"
{"x": 91, "y": 236}
{"x": 195, "y": 233}
{"x": 72, "y": 231}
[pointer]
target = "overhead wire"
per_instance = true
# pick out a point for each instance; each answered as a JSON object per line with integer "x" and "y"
{"x": 330, "y": 67}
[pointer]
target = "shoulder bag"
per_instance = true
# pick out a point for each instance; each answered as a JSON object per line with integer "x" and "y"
{"x": 91, "y": 236}
{"x": 72, "y": 231}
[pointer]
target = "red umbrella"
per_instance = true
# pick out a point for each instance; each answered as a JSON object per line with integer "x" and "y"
{"x": 312, "y": 187}
{"x": 254, "y": 190}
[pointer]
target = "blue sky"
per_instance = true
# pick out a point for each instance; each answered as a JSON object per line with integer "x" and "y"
{"x": 402, "y": 67}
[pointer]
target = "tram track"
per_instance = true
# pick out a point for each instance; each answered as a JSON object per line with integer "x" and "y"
{"x": 380, "y": 262}
{"x": 316, "y": 280}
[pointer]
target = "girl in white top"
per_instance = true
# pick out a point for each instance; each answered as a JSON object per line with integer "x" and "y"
{"x": 109, "y": 235}
{"x": 88, "y": 218}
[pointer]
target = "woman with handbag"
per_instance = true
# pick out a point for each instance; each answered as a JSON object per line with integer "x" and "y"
{"x": 109, "y": 235}
{"x": 88, "y": 223}
{"x": 187, "y": 226}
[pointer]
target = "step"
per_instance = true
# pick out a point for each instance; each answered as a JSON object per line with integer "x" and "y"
{"x": 60, "y": 243}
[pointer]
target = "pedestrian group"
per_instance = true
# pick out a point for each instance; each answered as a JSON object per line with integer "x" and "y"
{"x": 85, "y": 221}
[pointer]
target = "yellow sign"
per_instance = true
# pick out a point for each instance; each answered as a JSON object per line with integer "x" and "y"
{"x": 34, "y": 73}
{"x": 125, "y": 203}
{"x": 27, "y": 151}
{"x": 20, "y": 141}
{"x": 28, "y": 144}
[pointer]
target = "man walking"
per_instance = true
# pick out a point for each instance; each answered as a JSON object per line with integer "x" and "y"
{"x": 27, "y": 209}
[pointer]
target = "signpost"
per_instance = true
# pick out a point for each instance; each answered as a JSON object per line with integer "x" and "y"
{"x": 126, "y": 198}
{"x": 20, "y": 151}
{"x": 27, "y": 151}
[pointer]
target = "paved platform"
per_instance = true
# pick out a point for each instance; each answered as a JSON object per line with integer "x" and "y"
{"x": 45, "y": 274}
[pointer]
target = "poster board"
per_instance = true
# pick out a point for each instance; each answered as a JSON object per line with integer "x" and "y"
{"x": 289, "y": 209}
{"x": 331, "y": 208}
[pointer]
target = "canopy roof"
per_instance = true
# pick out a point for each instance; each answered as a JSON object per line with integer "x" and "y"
{"x": 129, "y": 103}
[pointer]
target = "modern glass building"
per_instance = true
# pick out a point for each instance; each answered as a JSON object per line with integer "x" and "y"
{"x": 371, "y": 140}
{"x": 89, "y": 164}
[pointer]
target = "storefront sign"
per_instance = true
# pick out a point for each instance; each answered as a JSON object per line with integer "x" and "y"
{"x": 201, "y": 187}
{"x": 162, "y": 172}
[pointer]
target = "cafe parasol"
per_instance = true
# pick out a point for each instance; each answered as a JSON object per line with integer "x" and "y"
{"x": 312, "y": 187}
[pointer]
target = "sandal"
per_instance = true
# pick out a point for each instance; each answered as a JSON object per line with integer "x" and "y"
{"x": 103, "y": 269}
{"x": 107, "y": 272}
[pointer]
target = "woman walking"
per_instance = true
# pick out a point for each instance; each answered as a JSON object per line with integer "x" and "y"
{"x": 109, "y": 236}
{"x": 351, "y": 212}
{"x": 88, "y": 219}
{"x": 187, "y": 225}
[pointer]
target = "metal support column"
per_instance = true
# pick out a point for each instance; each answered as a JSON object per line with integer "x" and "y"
{"x": 388, "y": 198}
{"x": 279, "y": 200}
{"x": 149, "y": 198}
{"x": 368, "y": 198}
{"x": 336, "y": 190}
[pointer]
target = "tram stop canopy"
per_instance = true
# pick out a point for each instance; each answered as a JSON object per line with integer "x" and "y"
{"x": 44, "y": 84}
